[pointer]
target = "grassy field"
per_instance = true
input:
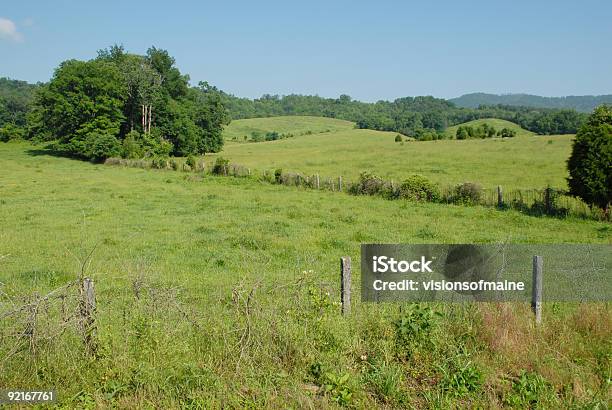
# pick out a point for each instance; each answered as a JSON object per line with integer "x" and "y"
{"x": 521, "y": 162}
{"x": 296, "y": 125}
{"x": 495, "y": 122}
{"x": 221, "y": 292}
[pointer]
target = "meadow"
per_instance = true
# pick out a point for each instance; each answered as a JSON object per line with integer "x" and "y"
{"x": 222, "y": 292}
{"x": 523, "y": 162}
{"x": 295, "y": 125}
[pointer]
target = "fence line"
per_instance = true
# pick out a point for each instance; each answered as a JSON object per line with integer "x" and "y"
{"x": 547, "y": 201}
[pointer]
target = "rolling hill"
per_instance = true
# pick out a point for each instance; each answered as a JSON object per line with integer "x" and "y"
{"x": 495, "y": 122}
{"x": 296, "y": 125}
{"x": 530, "y": 162}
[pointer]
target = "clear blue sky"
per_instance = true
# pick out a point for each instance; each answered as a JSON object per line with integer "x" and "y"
{"x": 370, "y": 50}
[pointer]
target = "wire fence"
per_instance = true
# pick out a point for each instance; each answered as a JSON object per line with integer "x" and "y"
{"x": 546, "y": 201}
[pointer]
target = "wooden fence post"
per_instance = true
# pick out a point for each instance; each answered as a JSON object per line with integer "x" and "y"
{"x": 536, "y": 290}
{"x": 340, "y": 183}
{"x": 500, "y": 197}
{"x": 345, "y": 284}
{"x": 88, "y": 309}
{"x": 317, "y": 181}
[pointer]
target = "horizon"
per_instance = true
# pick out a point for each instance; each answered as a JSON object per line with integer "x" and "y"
{"x": 370, "y": 52}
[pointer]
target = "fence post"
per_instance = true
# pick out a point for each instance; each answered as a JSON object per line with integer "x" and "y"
{"x": 536, "y": 290}
{"x": 317, "y": 180}
{"x": 345, "y": 284}
{"x": 340, "y": 183}
{"x": 88, "y": 309}
{"x": 500, "y": 197}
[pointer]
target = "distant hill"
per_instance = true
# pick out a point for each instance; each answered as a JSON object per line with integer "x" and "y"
{"x": 584, "y": 103}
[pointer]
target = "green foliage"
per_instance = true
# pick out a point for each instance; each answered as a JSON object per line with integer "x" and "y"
{"x": 369, "y": 184}
{"x": 191, "y": 162}
{"x": 278, "y": 175}
{"x": 11, "y": 132}
{"x": 590, "y": 163}
{"x": 418, "y": 188}
{"x": 337, "y": 386}
{"x": 415, "y": 322}
{"x": 99, "y": 146}
{"x": 107, "y": 95}
{"x": 398, "y": 138}
{"x": 528, "y": 391}
{"x": 460, "y": 377}
{"x": 507, "y": 133}
{"x": 469, "y": 193}
{"x": 221, "y": 166}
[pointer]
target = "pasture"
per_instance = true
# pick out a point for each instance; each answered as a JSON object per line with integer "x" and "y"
{"x": 296, "y": 125}
{"x": 221, "y": 292}
{"x": 524, "y": 162}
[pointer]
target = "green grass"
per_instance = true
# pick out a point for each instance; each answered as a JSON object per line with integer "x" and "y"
{"x": 495, "y": 122}
{"x": 521, "y": 162}
{"x": 203, "y": 300}
{"x": 296, "y": 125}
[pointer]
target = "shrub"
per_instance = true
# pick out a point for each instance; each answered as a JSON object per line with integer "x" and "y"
{"x": 278, "y": 176}
{"x": 418, "y": 188}
{"x": 368, "y": 184}
{"x": 467, "y": 193}
{"x": 272, "y": 136}
{"x": 221, "y": 166}
{"x": 398, "y": 138}
{"x": 132, "y": 146}
{"x": 548, "y": 204}
{"x": 11, "y": 132}
{"x": 99, "y": 146}
{"x": 174, "y": 165}
{"x": 191, "y": 161}
{"x": 589, "y": 164}
{"x": 159, "y": 163}
{"x": 507, "y": 133}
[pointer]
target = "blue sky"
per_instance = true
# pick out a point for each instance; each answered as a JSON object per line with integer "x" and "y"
{"x": 370, "y": 50}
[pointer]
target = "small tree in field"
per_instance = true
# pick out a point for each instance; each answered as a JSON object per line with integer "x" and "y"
{"x": 590, "y": 164}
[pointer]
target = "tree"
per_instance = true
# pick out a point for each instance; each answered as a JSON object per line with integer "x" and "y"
{"x": 590, "y": 163}
{"x": 82, "y": 98}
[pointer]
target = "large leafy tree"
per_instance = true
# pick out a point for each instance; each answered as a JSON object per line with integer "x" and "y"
{"x": 122, "y": 103}
{"x": 590, "y": 164}
{"x": 84, "y": 98}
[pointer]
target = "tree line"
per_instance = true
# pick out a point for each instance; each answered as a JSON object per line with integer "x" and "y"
{"x": 411, "y": 116}
{"x": 141, "y": 105}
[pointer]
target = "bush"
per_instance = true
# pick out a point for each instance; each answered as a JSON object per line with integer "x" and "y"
{"x": 99, "y": 146}
{"x": 467, "y": 193}
{"x": 278, "y": 176}
{"x": 131, "y": 146}
{"x": 11, "y": 132}
{"x": 507, "y": 133}
{"x": 272, "y": 136}
{"x": 418, "y": 188}
{"x": 368, "y": 184}
{"x": 398, "y": 138}
{"x": 589, "y": 164}
{"x": 221, "y": 166}
{"x": 159, "y": 163}
{"x": 191, "y": 162}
